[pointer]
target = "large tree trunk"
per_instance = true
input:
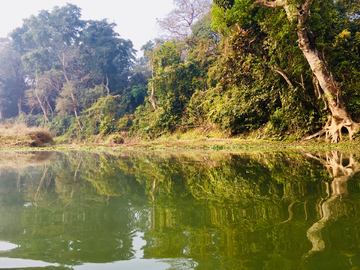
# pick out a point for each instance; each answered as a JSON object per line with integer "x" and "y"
{"x": 107, "y": 85}
{"x": 339, "y": 118}
{"x": 42, "y": 107}
{"x": 19, "y": 107}
{"x": 152, "y": 95}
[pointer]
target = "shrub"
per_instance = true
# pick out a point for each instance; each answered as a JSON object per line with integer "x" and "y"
{"x": 20, "y": 135}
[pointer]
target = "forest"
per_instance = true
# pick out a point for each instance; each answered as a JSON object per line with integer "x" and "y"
{"x": 274, "y": 69}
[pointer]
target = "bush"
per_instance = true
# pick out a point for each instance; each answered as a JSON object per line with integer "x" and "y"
{"x": 20, "y": 135}
{"x": 124, "y": 123}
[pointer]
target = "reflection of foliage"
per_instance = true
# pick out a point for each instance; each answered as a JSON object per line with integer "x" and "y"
{"x": 269, "y": 176}
{"x": 220, "y": 210}
{"x": 108, "y": 179}
{"x": 65, "y": 218}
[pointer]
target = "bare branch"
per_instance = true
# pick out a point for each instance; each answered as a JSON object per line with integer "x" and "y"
{"x": 107, "y": 85}
{"x": 178, "y": 23}
{"x": 284, "y": 76}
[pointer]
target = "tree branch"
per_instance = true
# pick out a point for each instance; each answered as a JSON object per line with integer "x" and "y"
{"x": 284, "y": 76}
{"x": 107, "y": 85}
{"x": 304, "y": 12}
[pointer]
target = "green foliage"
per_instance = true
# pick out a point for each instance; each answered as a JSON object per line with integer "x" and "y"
{"x": 12, "y": 80}
{"x": 70, "y": 64}
{"x": 105, "y": 56}
{"x": 202, "y": 29}
{"x": 174, "y": 82}
{"x": 124, "y": 123}
{"x": 336, "y": 26}
{"x": 225, "y": 4}
{"x": 105, "y": 113}
{"x": 234, "y": 84}
{"x": 144, "y": 119}
{"x": 223, "y": 20}
{"x": 28, "y": 119}
{"x": 253, "y": 80}
{"x": 246, "y": 91}
{"x": 241, "y": 70}
{"x": 108, "y": 125}
{"x": 133, "y": 97}
{"x": 59, "y": 124}
{"x": 196, "y": 113}
{"x": 66, "y": 102}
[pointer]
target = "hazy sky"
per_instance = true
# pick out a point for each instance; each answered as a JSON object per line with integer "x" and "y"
{"x": 135, "y": 19}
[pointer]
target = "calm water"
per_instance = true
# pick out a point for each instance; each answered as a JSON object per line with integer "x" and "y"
{"x": 82, "y": 210}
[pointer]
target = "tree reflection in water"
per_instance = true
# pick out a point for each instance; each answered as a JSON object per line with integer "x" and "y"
{"x": 341, "y": 170}
{"x": 275, "y": 210}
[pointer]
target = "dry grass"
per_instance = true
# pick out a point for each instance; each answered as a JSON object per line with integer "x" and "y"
{"x": 22, "y": 136}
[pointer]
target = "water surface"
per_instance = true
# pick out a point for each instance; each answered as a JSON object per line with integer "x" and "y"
{"x": 256, "y": 210}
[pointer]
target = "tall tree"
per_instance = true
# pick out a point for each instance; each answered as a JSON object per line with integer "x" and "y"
{"x": 12, "y": 80}
{"x": 175, "y": 82}
{"x": 44, "y": 92}
{"x": 54, "y": 34}
{"x": 106, "y": 56}
{"x": 148, "y": 50}
{"x": 297, "y": 13}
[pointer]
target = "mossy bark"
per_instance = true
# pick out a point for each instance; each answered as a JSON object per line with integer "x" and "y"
{"x": 339, "y": 118}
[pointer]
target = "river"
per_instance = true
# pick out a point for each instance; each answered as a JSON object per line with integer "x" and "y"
{"x": 87, "y": 210}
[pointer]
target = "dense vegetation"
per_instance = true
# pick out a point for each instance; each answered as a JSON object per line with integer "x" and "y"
{"x": 238, "y": 69}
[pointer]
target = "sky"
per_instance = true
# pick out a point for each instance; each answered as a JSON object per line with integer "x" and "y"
{"x": 135, "y": 19}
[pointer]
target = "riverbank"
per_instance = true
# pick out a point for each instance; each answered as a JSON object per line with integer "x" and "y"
{"x": 218, "y": 144}
{"x": 197, "y": 144}
{"x": 37, "y": 139}
{"x": 197, "y": 140}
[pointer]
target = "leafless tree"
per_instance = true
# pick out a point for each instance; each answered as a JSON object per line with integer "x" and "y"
{"x": 177, "y": 24}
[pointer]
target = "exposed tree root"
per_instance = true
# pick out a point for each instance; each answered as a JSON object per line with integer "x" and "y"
{"x": 333, "y": 129}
